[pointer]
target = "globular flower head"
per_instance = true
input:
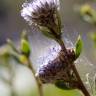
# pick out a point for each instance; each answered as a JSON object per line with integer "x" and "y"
{"x": 45, "y": 15}
{"x": 55, "y": 66}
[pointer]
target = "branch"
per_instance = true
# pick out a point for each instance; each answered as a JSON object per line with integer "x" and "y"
{"x": 39, "y": 84}
{"x": 80, "y": 82}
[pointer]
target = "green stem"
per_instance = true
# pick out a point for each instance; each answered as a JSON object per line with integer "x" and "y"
{"x": 39, "y": 84}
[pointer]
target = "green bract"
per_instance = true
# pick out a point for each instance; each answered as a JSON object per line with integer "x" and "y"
{"x": 46, "y": 32}
{"x": 63, "y": 85}
{"x": 78, "y": 47}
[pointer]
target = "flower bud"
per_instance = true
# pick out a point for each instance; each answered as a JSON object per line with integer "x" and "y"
{"x": 44, "y": 14}
{"x": 56, "y": 69}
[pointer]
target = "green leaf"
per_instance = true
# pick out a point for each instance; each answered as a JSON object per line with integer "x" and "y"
{"x": 78, "y": 47}
{"x": 63, "y": 85}
{"x": 25, "y": 46}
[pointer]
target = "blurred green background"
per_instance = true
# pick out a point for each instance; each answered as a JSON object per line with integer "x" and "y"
{"x": 11, "y": 26}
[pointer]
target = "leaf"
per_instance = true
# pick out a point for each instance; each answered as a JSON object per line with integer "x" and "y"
{"x": 63, "y": 85}
{"x": 78, "y": 47}
{"x": 25, "y": 46}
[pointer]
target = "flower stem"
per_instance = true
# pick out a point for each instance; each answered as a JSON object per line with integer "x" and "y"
{"x": 39, "y": 84}
{"x": 80, "y": 82}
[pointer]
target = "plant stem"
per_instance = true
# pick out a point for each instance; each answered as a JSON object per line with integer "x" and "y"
{"x": 39, "y": 84}
{"x": 80, "y": 82}
{"x": 61, "y": 43}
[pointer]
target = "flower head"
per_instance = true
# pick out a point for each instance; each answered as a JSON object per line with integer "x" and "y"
{"x": 44, "y": 14}
{"x": 54, "y": 66}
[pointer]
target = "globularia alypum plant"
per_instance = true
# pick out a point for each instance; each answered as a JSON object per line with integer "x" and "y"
{"x": 61, "y": 71}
